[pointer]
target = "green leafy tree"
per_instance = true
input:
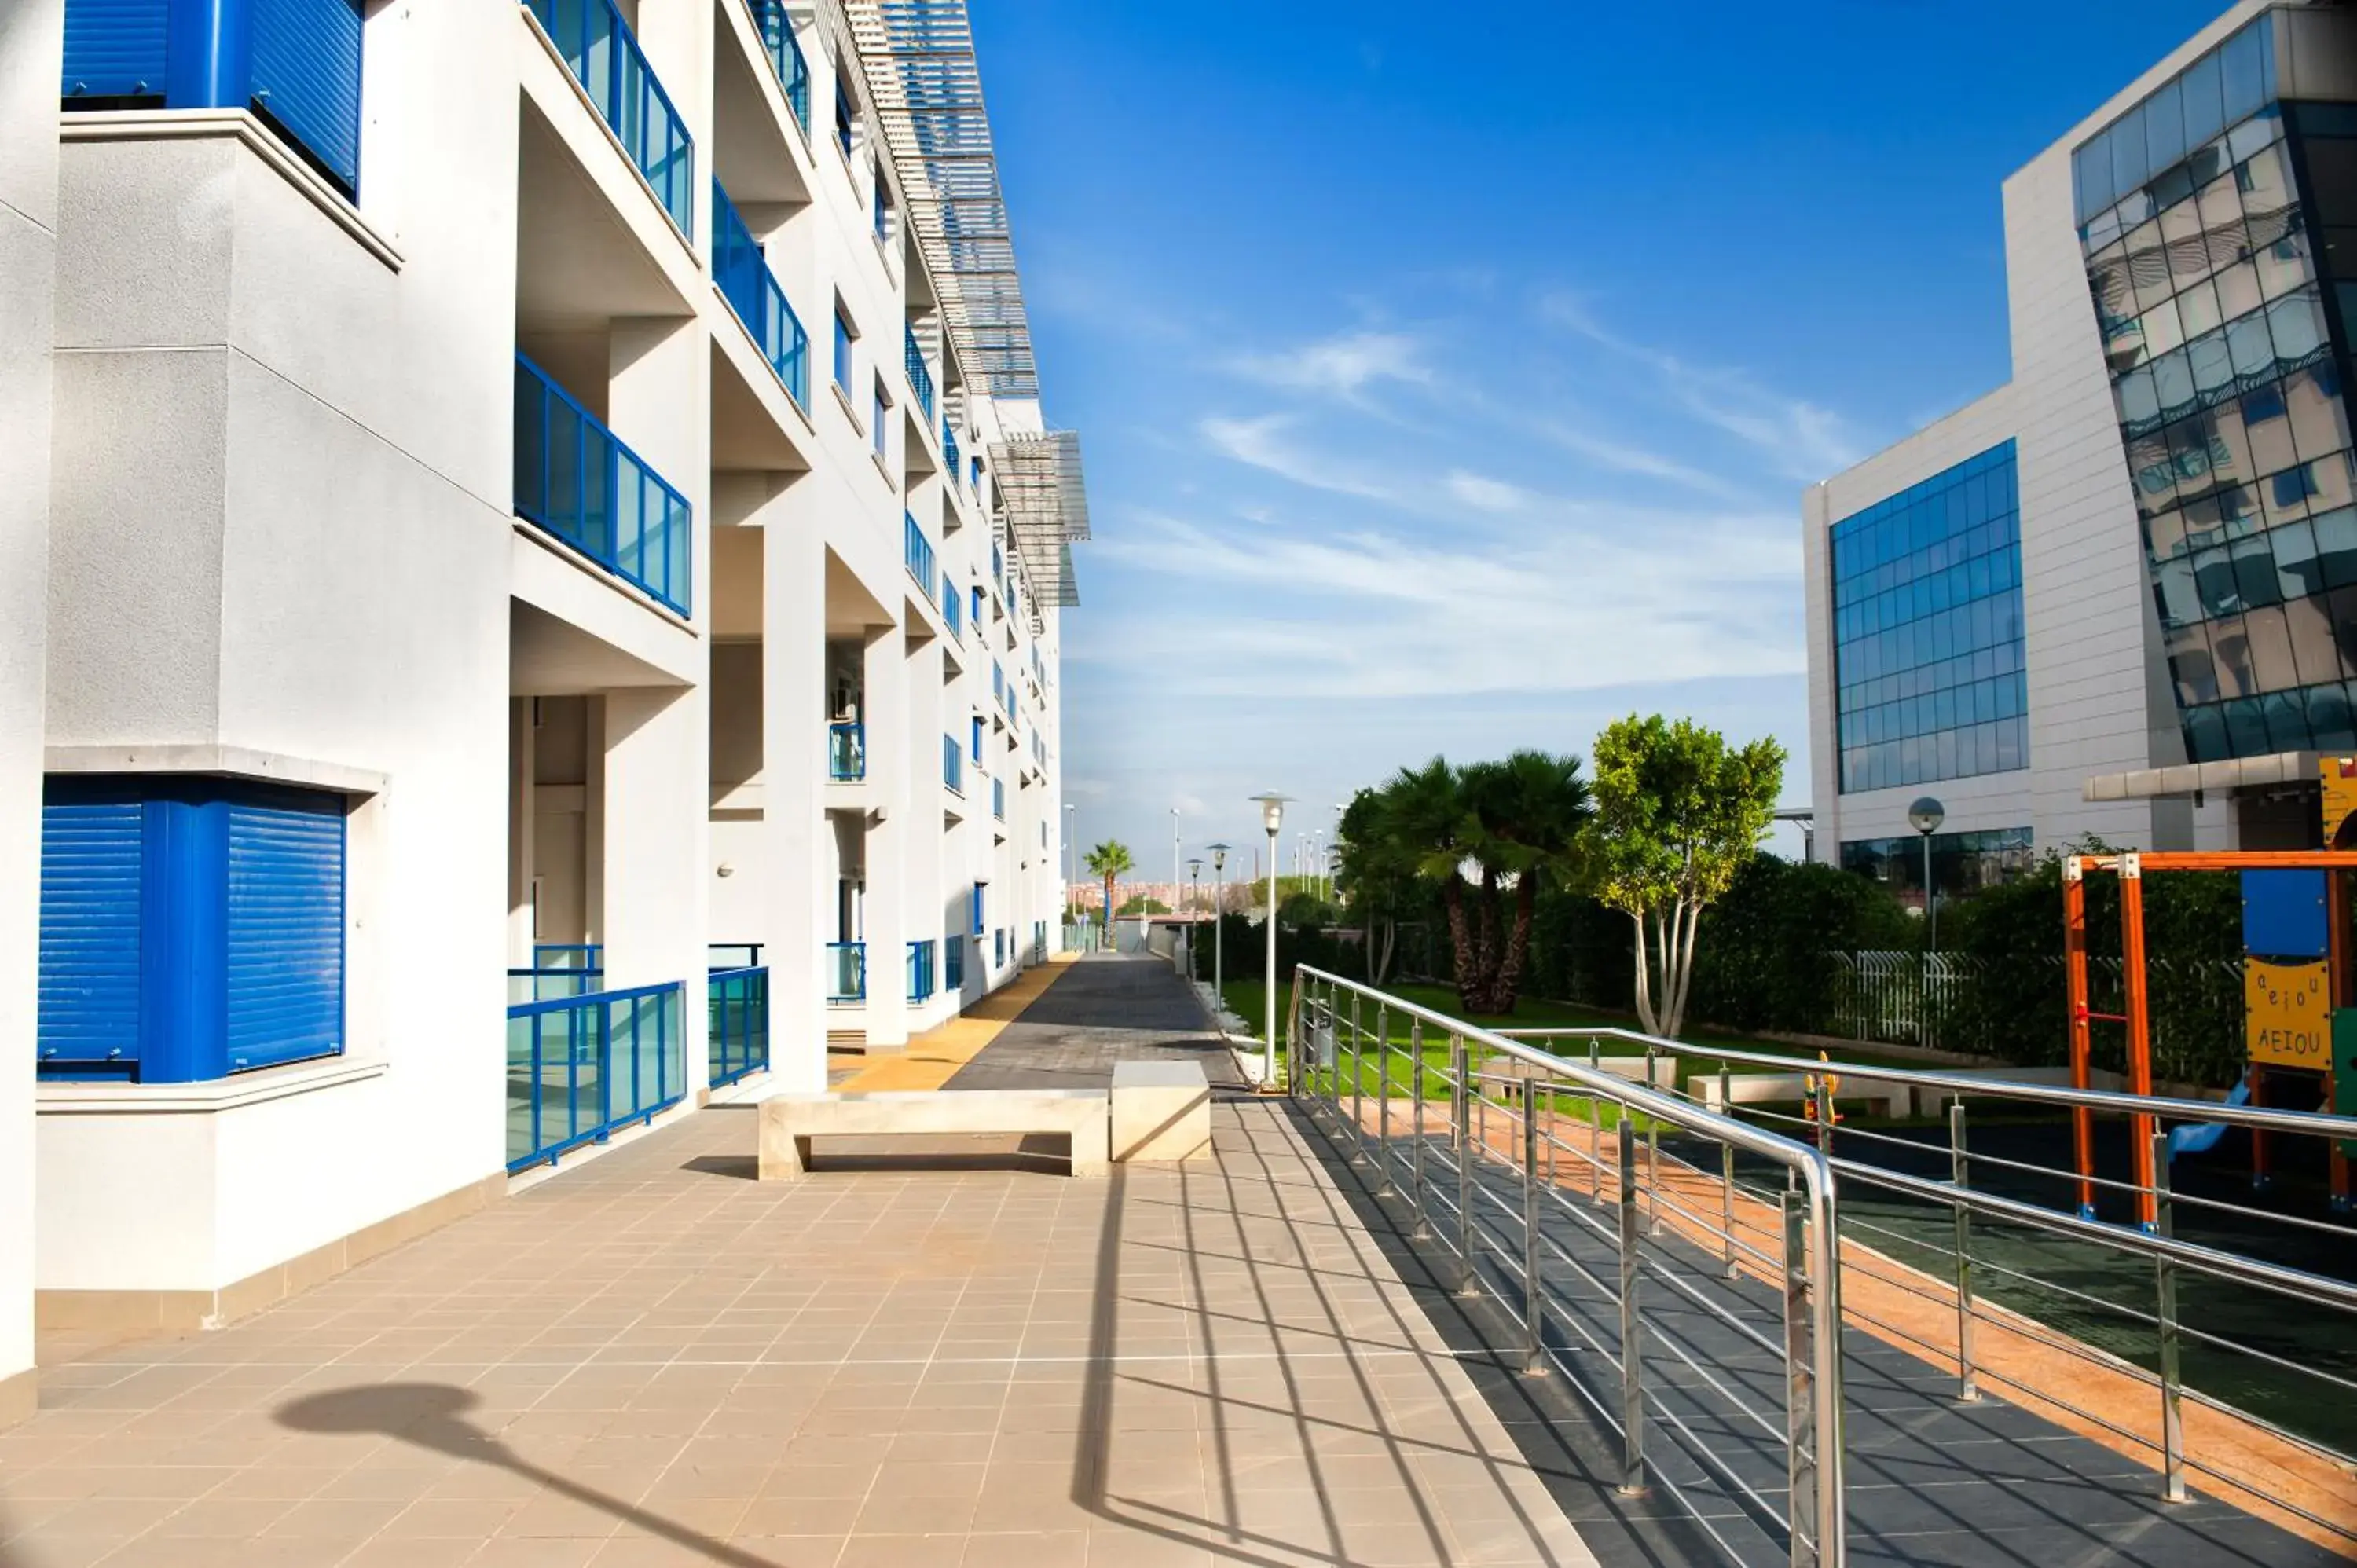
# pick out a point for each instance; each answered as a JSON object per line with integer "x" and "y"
{"x": 1377, "y": 877}
{"x": 1677, "y": 812}
{"x": 1143, "y": 905}
{"x": 1109, "y": 861}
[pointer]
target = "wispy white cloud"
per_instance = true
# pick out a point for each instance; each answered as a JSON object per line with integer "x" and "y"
{"x": 1800, "y": 440}
{"x": 1623, "y": 457}
{"x": 1342, "y": 366}
{"x": 1262, "y": 444}
{"x": 1485, "y": 493}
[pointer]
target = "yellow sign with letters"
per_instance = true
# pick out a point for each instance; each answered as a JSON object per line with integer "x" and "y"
{"x": 2290, "y": 1006}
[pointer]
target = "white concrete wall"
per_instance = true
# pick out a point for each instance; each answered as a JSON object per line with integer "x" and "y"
{"x": 31, "y": 43}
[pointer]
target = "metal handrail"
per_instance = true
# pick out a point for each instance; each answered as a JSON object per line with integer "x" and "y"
{"x": 2305, "y": 1123}
{"x": 1810, "y": 1276}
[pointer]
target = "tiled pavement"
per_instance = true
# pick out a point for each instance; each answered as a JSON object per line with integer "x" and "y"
{"x": 1102, "y": 1009}
{"x": 651, "y": 1359}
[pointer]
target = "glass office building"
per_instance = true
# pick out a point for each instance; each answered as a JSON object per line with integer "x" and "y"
{"x": 2204, "y": 212}
{"x": 1928, "y": 632}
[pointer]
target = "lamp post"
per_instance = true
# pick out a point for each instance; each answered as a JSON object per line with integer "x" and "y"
{"x": 1193, "y": 876}
{"x": 1925, "y": 817}
{"x": 1218, "y": 923}
{"x": 1272, "y": 818}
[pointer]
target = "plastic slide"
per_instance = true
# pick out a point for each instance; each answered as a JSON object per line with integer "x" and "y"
{"x": 2201, "y": 1137}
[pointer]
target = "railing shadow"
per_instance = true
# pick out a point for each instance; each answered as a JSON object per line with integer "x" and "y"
{"x": 432, "y": 1416}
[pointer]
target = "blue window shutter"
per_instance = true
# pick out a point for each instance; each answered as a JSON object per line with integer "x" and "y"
{"x": 286, "y": 938}
{"x": 89, "y": 990}
{"x": 114, "y": 48}
{"x": 307, "y": 75}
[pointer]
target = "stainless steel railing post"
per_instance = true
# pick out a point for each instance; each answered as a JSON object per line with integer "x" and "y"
{"x": 1632, "y": 1391}
{"x": 1358, "y": 1077}
{"x": 1822, "y": 1090}
{"x": 1383, "y": 1099}
{"x": 1726, "y": 1173}
{"x": 1466, "y": 1231}
{"x": 1594, "y": 1130}
{"x": 1652, "y": 1159}
{"x": 1802, "y": 1437}
{"x": 1533, "y": 1323}
{"x": 2172, "y": 1418}
{"x": 1960, "y": 1173}
{"x": 1417, "y": 1133}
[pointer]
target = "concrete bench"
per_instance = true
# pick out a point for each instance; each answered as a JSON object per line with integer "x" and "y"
{"x": 1162, "y": 1110}
{"x": 1880, "y": 1099}
{"x": 789, "y": 1121}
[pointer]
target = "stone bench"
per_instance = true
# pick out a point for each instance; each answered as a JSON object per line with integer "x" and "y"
{"x": 789, "y": 1121}
{"x": 1880, "y": 1098}
{"x": 1162, "y": 1110}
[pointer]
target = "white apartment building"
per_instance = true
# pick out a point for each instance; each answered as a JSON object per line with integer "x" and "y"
{"x": 534, "y": 582}
{"x": 2114, "y": 595}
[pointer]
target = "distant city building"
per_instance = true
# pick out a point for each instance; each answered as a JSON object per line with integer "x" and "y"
{"x": 2117, "y": 596}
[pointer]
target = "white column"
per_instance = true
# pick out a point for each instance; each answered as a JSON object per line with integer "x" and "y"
{"x": 892, "y": 774}
{"x": 657, "y": 762}
{"x": 29, "y": 66}
{"x": 797, "y": 889}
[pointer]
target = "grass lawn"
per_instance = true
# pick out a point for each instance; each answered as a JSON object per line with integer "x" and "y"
{"x": 1246, "y": 998}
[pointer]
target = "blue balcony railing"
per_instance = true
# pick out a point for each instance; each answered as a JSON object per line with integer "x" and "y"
{"x": 921, "y": 972}
{"x": 950, "y": 448}
{"x": 998, "y": 799}
{"x": 742, "y": 275}
{"x": 575, "y": 478}
{"x": 953, "y": 765}
{"x": 918, "y": 551}
{"x": 846, "y": 751}
{"x": 738, "y": 1028}
{"x": 846, "y": 971}
{"x": 580, "y": 1067}
{"x": 785, "y": 52}
{"x": 603, "y": 55}
{"x": 953, "y": 609}
{"x": 953, "y": 962}
{"x": 921, "y": 375}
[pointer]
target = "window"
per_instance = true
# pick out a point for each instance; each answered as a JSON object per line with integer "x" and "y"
{"x": 192, "y": 927}
{"x": 976, "y": 615}
{"x": 1961, "y": 862}
{"x": 879, "y": 432}
{"x": 978, "y": 924}
{"x": 978, "y": 737}
{"x": 842, "y": 115}
{"x": 1928, "y": 630}
{"x": 296, "y": 63}
{"x": 843, "y": 334}
{"x": 883, "y": 202}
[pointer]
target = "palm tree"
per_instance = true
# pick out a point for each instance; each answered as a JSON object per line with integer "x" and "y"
{"x": 1477, "y": 833}
{"x": 1109, "y": 860}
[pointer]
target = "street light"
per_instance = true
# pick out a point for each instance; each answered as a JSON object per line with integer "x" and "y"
{"x": 1272, "y": 818}
{"x": 1218, "y": 921}
{"x": 1925, "y": 817}
{"x": 1194, "y": 874}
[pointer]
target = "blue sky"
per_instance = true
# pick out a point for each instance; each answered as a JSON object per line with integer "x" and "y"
{"x": 1448, "y": 377}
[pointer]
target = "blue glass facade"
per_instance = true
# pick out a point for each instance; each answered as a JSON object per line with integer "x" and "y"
{"x": 2203, "y": 211}
{"x": 1927, "y": 629}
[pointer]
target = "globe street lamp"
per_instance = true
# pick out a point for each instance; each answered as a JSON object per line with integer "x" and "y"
{"x": 1925, "y": 817}
{"x": 1218, "y": 923}
{"x": 1272, "y": 818}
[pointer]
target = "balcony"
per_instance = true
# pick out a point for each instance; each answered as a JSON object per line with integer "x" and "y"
{"x": 741, "y": 272}
{"x": 575, "y": 479}
{"x": 847, "y": 973}
{"x": 598, "y": 47}
{"x": 785, "y": 52}
{"x": 952, "y": 610}
{"x": 921, "y": 972}
{"x": 739, "y": 1024}
{"x": 921, "y": 375}
{"x": 949, "y": 449}
{"x": 846, "y": 751}
{"x": 953, "y": 765}
{"x": 581, "y": 1068}
{"x": 953, "y": 962}
{"x": 998, "y": 799}
{"x": 916, "y": 552}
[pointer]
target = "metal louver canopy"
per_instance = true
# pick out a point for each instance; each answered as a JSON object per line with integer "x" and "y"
{"x": 918, "y": 59}
{"x": 1047, "y": 507}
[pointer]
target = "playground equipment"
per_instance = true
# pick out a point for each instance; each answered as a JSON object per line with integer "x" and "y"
{"x": 2299, "y": 994}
